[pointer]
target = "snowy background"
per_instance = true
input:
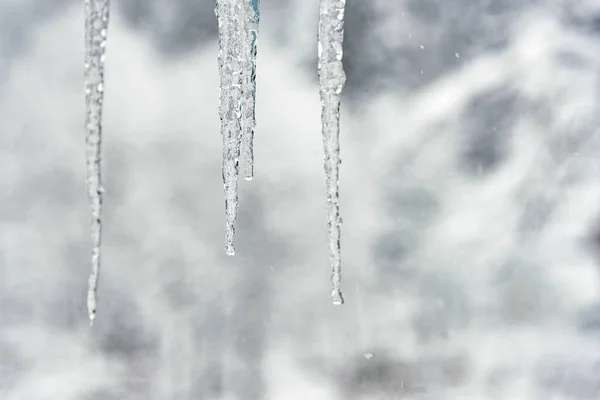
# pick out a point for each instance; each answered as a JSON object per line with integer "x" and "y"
{"x": 470, "y": 192}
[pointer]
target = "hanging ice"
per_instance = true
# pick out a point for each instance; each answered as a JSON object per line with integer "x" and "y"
{"x": 331, "y": 81}
{"x": 230, "y": 107}
{"x": 249, "y": 20}
{"x": 96, "y": 24}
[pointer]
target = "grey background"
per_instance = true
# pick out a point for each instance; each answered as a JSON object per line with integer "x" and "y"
{"x": 470, "y": 196}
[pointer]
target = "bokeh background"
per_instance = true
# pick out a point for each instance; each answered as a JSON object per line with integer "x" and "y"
{"x": 470, "y": 192}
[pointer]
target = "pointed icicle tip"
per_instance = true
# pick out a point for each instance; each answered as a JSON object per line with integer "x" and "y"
{"x": 230, "y": 250}
{"x": 338, "y": 299}
{"x": 91, "y": 303}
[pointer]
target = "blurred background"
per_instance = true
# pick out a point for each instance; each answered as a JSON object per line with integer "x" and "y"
{"x": 470, "y": 193}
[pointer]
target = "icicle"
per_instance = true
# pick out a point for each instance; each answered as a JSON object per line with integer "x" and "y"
{"x": 331, "y": 81}
{"x": 230, "y": 112}
{"x": 249, "y": 21}
{"x": 96, "y": 24}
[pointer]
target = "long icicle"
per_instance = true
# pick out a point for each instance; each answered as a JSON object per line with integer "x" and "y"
{"x": 249, "y": 19}
{"x": 96, "y": 24}
{"x": 331, "y": 82}
{"x": 230, "y": 112}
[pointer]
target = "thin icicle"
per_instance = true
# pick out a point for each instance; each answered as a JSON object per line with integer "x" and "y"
{"x": 96, "y": 24}
{"x": 230, "y": 102}
{"x": 249, "y": 20}
{"x": 331, "y": 82}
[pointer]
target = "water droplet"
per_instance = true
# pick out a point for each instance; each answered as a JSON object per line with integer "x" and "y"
{"x": 456, "y": 55}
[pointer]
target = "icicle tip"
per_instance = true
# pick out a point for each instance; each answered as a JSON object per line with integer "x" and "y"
{"x": 338, "y": 299}
{"x": 92, "y": 316}
{"x": 230, "y": 250}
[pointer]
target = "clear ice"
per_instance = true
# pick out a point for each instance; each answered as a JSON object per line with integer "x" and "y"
{"x": 249, "y": 19}
{"x": 331, "y": 82}
{"x": 96, "y": 24}
{"x": 230, "y": 107}
{"x": 238, "y": 35}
